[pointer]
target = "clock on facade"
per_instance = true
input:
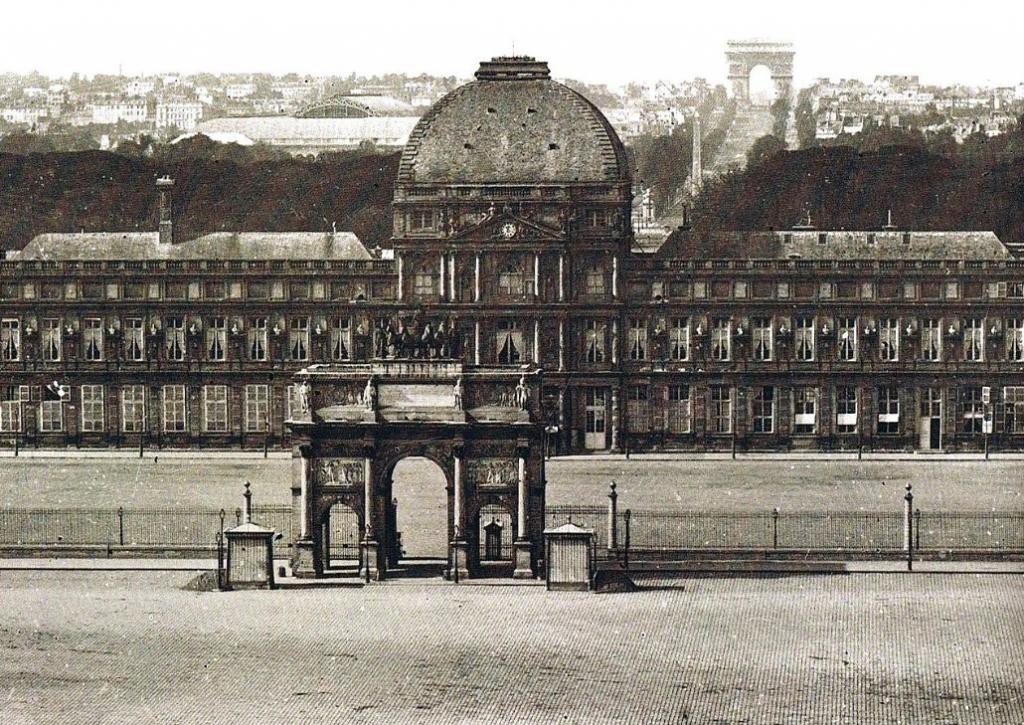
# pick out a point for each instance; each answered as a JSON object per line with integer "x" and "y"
{"x": 508, "y": 230}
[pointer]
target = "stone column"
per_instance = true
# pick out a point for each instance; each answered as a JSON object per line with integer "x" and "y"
{"x": 401, "y": 278}
{"x": 521, "y": 546}
{"x": 459, "y": 547}
{"x": 615, "y": 342}
{"x": 476, "y": 278}
{"x": 307, "y": 560}
{"x": 451, "y": 277}
{"x": 476, "y": 342}
{"x": 443, "y": 270}
{"x": 615, "y": 418}
{"x": 369, "y": 558}
{"x": 561, "y": 278}
{"x": 536, "y": 275}
{"x": 536, "y": 341}
{"x": 561, "y": 345}
{"x": 615, "y": 278}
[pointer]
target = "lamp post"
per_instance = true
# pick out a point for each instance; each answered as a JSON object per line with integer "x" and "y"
{"x": 908, "y": 519}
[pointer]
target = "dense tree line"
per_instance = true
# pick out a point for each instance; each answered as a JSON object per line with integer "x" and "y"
{"x": 844, "y": 187}
{"x": 231, "y": 189}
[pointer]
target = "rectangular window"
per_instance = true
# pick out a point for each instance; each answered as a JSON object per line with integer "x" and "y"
{"x": 51, "y": 339}
{"x": 1015, "y": 340}
{"x": 10, "y": 411}
{"x": 92, "y": 409}
{"x": 217, "y": 339}
{"x": 889, "y": 339}
{"x": 594, "y": 281}
{"x": 509, "y": 343}
{"x": 92, "y": 338}
{"x": 721, "y": 409}
{"x": 594, "y": 340}
{"x": 721, "y": 340}
{"x": 258, "y": 290}
{"x": 888, "y": 410}
{"x": 931, "y": 339}
{"x": 510, "y": 282}
{"x": 215, "y": 408}
{"x": 721, "y": 289}
{"x": 1015, "y": 290}
{"x": 10, "y": 339}
{"x": 637, "y": 338}
{"x": 257, "y": 407}
{"x": 258, "y": 339}
{"x": 638, "y": 409}
{"x": 846, "y": 409}
{"x": 174, "y": 338}
{"x": 174, "y": 408}
{"x": 804, "y": 339}
{"x": 679, "y": 339}
{"x": 421, "y": 219}
{"x": 298, "y": 339}
{"x": 424, "y": 285}
{"x": 762, "y": 339}
{"x": 134, "y": 340}
{"x": 298, "y": 290}
{"x": 341, "y": 339}
{"x": 846, "y": 329}
{"x": 597, "y": 218}
{"x": 133, "y": 408}
{"x": 1013, "y": 409}
{"x": 972, "y": 410}
{"x": 214, "y": 290}
{"x": 763, "y": 409}
{"x": 974, "y": 339}
{"x": 51, "y": 416}
{"x": 805, "y": 411}
{"x": 679, "y": 410}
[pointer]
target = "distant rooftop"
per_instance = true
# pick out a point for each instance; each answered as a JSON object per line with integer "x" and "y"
{"x": 217, "y": 245}
{"x": 815, "y": 244}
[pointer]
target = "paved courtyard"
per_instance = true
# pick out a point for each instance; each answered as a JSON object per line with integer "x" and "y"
{"x": 117, "y": 647}
{"x": 677, "y": 484}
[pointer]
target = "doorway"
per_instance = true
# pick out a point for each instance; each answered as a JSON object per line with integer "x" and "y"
{"x": 931, "y": 420}
{"x": 417, "y": 516}
{"x": 594, "y": 438}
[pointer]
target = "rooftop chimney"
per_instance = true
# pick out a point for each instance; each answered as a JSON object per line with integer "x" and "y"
{"x": 163, "y": 186}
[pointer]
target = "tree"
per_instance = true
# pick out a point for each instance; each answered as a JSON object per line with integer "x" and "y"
{"x": 763, "y": 149}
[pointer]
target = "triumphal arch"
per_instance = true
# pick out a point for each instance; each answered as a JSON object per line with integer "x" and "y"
{"x": 745, "y": 55}
{"x": 353, "y": 422}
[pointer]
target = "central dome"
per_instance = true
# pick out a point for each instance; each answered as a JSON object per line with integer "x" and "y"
{"x": 513, "y": 124}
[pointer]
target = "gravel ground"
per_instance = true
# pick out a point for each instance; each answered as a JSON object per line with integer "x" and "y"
{"x": 119, "y": 647}
{"x": 673, "y": 484}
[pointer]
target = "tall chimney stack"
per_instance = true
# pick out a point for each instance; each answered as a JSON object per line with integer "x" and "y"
{"x": 164, "y": 185}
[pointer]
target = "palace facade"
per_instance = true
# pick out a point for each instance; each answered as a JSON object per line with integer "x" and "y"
{"x": 512, "y": 247}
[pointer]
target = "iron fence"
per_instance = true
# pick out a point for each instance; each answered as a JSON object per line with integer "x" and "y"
{"x": 862, "y": 531}
{"x": 647, "y": 530}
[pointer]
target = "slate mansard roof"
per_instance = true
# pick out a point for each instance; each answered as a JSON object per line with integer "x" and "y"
{"x": 513, "y": 125}
{"x": 218, "y": 245}
{"x": 803, "y": 244}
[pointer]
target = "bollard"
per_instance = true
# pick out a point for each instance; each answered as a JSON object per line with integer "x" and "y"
{"x": 775, "y": 527}
{"x": 120, "y": 525}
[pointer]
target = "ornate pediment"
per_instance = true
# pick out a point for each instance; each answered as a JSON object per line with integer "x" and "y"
{"x": 510, "y": 227}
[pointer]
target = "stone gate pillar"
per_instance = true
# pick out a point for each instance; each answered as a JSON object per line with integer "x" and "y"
{"x": 307, "y": 558}
{"x": 522, "y": 545}
{"x": 370, "y": 552}
{"x": 460, "y": 545}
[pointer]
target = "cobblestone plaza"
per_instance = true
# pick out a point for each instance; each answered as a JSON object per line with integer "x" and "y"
{"x": 862, "y": 648}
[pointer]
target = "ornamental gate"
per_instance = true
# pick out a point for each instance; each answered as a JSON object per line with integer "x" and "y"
{"x": 352, "y": 424}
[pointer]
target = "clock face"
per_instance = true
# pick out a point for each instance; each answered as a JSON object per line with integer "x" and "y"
{"x": 508, "y": 230}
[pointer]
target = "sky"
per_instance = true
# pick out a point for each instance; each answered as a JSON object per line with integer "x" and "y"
{"x": 596, "y": 41}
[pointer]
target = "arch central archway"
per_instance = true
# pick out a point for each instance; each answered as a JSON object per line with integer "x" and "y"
{"x": 761, "y": 85}
{"x": 420, "y": 509}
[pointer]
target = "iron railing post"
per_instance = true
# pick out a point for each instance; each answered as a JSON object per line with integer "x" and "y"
{"x": 917, "y": 529}
{"x": 625, "y": 553}
{"x": 908, "y": 511}
{"x": 613, "y": 527}
{"x": 775, "y": 527}
{"x": 120, "y": 525}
